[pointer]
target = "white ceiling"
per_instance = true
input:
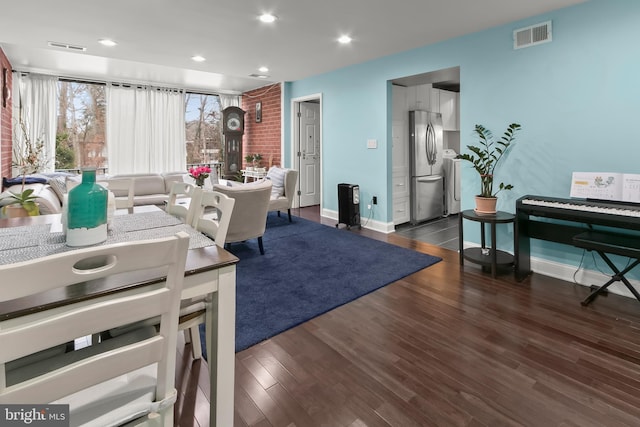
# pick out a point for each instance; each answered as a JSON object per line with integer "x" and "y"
{"x": 156, "y": 38}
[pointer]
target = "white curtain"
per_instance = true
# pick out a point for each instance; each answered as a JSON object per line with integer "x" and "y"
{"x": 145, "y": 130}
{"x": 37, "y": 106}
{"x": 229, "y": 101}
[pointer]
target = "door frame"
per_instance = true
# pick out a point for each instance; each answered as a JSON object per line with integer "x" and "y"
{"x": 295, "y": 142}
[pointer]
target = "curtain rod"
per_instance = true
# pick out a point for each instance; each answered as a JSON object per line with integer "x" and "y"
{"x": 103, "y": 82}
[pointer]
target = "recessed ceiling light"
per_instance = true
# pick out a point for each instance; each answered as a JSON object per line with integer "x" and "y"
{"x": 263, "y": 69}
{"x": 198, "y": 58}
{"x": 344, "y": 39}
{"x": 268, "y": 18}
{"x": 107, "y": 42}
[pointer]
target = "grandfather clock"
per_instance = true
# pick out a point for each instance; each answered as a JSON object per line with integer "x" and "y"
{"x": 233, "y": 129}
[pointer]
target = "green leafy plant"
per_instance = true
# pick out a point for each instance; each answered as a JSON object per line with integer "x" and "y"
{"x": 486, "y": 155}
{"x": 253, "y": 159}
{"x": 27, "y": 200}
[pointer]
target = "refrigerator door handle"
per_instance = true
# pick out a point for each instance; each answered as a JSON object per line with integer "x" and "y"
{"x": 431, "y": 144}
{"x": 429, "y": 178}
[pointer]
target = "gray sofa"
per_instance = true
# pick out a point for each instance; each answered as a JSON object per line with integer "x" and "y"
{"x": 149, "y": 189}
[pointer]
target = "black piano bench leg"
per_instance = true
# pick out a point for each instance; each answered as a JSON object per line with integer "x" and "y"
{"x": 603, "y": 292}
{"x": 617, "y": 276}
{"x": 598, "y": 290}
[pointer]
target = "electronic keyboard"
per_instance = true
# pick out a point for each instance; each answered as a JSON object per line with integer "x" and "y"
{"x": 574, "y": 216}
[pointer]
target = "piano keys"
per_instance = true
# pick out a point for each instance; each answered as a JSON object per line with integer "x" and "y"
{"x": 573, "y": 216}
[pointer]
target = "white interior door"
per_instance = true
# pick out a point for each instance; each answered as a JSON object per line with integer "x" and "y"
{"x": 309, "y": 153}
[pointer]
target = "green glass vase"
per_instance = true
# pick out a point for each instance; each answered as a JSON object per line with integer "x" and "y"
{"x": 87, "y": 212}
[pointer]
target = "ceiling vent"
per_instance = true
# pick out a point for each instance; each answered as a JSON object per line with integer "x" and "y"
{"x": 533, "y": 35}
{"x": 67, "y": 46}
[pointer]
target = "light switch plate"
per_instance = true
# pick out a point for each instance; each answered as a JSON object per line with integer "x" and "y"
{"x": 372, "y": 143}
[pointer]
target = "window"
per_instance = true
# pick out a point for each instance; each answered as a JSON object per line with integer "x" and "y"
{"x": 80, "y": 135}
{"x": 203, "y": 131}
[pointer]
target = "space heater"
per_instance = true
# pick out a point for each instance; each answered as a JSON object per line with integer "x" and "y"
{"x": 348, "y": 205}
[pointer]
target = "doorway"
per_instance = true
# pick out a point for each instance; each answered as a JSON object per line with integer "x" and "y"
{"x": 437, "y": 92}
{"x": 307, "y": 149}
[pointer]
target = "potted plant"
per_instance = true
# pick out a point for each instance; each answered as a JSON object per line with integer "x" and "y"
{"x": 249, "y": 162}
{"x": 27, "y": 160}
{"x": 257, "y": 158}
{"x": 484, "y": 158}
{"x": 253, "y": 161}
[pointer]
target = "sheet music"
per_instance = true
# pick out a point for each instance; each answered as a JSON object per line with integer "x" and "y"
{"x": 631, "y": 188}
{"x": 622, "y": 187}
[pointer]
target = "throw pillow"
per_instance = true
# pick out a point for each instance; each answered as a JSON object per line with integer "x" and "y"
{"x": 276, "y": 175}
{"x": 59, "y": 186}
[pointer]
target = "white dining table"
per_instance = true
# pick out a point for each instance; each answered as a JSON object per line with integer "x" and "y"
{"x": 210, "y": 271}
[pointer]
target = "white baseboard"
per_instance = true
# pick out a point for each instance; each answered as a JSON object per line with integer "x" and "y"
{"x": 582, "y": 276}
{"x": 572, "y": 274}
{"x": 382, "y": 227}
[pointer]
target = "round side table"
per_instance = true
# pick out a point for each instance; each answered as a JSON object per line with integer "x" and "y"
{"x": 491, "y": 256}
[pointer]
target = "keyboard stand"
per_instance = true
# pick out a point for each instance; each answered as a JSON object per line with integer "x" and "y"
{"x": 612, "y": 243}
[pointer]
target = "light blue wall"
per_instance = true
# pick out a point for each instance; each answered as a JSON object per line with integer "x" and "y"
{"x": 577, "y": 99}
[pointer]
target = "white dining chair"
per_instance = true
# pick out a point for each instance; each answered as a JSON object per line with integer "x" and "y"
{"x": 212, "y": 217}
{"x": 183, "y": 201}
{"x": 123, "y": 191}
{"x": 120, "y": 380}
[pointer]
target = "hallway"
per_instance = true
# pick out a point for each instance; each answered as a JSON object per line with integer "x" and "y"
{"x": 441, "y": 232}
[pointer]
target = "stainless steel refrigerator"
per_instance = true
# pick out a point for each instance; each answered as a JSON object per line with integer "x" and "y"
{"x": 426, "y": 167}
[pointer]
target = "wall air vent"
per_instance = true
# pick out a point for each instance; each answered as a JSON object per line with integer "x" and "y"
{"x": 533, "y": 35}
{"x": 67, "y": 46}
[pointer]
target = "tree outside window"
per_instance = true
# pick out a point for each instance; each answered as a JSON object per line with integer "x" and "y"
{"x": 80, "y": 136}
{"x": 203, "y": 132}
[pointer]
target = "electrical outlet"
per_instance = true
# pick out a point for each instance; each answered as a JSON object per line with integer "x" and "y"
{"x": 368, "y": 206}
{"x": 375, "y": 200}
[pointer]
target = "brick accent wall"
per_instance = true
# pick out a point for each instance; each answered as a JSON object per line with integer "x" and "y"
{"x": 263, "y": 137}
{"x": 6, "y": 144}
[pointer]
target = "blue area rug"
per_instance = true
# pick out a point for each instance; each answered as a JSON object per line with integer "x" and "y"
{"x": 309, "y": 269}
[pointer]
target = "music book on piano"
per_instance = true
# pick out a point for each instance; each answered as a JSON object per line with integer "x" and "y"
{"x": 621, "y": 187}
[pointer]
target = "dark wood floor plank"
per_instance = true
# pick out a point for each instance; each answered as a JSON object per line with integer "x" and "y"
{"x": 446, "y": 346}
{"x": 301, "y": 416}
{"x": 245, "y": 406}
{"x": 260, "y": 397}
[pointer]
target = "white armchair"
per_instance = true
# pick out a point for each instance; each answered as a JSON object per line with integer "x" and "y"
{"x": 249, "y": 219}
{"x": 284, "y": 183}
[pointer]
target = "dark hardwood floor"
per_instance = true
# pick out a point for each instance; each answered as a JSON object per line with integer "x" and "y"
{"x": 446, "y": 346}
